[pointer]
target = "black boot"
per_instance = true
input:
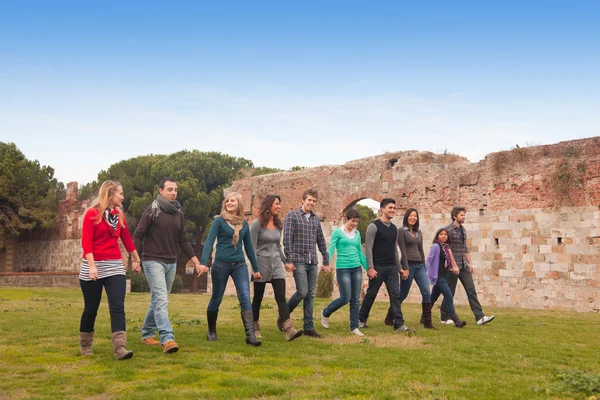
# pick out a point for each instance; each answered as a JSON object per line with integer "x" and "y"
{"x": 426, "y": 317}
{"x": 211, "y": 317}
{"x": 248, "y": 320}
{"x": 459, "y": 323}
{"x": 389, "y": 318}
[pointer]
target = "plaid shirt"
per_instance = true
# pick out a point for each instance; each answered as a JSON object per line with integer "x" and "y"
{"x": 457, "y": 244}
{"x": 300, "y": 234}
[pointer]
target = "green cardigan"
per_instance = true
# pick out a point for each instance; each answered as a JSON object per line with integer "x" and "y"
{"x": 349, "y": 251}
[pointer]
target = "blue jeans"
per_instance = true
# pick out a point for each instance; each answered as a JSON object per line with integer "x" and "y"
{"x": 160, "y": 278}
{"x": 349, "y": 282}
{"x": 305, "y": 276}
{"x": 220, "y": 273}
{"x": 417, "y": 272}
{"x": 441, "y": 287}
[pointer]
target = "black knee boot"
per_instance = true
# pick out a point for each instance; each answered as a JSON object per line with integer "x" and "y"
{"x": 248, "y": 320}
{"x": 211, "y": 317}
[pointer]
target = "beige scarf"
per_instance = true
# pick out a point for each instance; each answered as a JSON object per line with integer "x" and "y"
{"x": 236, "y": 222}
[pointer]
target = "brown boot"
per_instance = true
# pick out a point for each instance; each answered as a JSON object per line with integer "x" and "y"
{"x": 257, "y": 330}
{"x": 119, "y": 341}
{"x": 290, "y": 332}
{"x": 389, "y": 318}
{"x": 427, "y": 315}
{"x": 85, "y": 343}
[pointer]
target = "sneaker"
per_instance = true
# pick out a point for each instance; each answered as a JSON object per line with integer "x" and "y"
{"x": 403, "y": 328}
{"x": 312, "y": 333}
{"x": 357, "y": 332}
{"x": 363, "y": 325}
{"x": 485, "y": 320}
{"x": 170, "y": 347}
{"x": 324, "y": 321}
{"x": 151, "y": 341}
{"x": 447, "y": 322}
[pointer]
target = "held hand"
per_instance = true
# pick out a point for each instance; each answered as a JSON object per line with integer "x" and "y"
{"x": 325, "y": 268}
{"x": 289, "y": 267}
{"x": 455, "y": 270}
{"x": 404, "y": 274}
{"x": 371, "y": 273}
{"x": 93, "y": 273}
{"x": 201, "y": 269}
{"x": 256, "y": 276}
{"x": 135, "y": 267}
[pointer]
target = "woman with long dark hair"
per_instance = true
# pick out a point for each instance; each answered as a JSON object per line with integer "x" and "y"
{"x": 440, "y": 263}
{"x": 102, "y": 267}
{"x": 230, "y": 230}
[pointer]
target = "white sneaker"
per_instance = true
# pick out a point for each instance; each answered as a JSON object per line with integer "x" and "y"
{"x": 447, "y": 322}
{"x": 357, "y": 332}
{"x": 324, "y": 321}
{"x": 485, "y": 320}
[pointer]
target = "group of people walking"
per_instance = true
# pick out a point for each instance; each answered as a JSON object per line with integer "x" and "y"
{"x": 390, "y": 253}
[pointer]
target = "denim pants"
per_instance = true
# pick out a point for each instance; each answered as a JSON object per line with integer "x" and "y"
{"x": 418, "y": 273}
{"x": 160, "y": 278}
{"x": 441, "y": 287}
{"x": 389, "y": 275}
{"x": 92, "y": 295}
{"x": 349, "y": 282}
{"x": 220, "y": 272}
{"x": 305, "y": 276}
{"x": 466, "y": 278}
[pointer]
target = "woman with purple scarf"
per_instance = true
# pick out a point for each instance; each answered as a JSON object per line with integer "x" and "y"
{"x": 440, "y": 263}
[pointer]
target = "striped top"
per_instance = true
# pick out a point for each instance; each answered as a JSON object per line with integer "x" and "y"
{"x": 105, "y": 269}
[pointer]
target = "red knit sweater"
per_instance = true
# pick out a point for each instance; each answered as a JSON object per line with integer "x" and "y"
{"x": 101, "y": 239}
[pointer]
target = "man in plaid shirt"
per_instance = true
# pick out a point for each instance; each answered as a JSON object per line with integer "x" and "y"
{"x": 301, "y": 234}
{"x": 458, "y": 244}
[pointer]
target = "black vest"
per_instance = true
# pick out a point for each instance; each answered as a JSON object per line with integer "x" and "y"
{"x": 384, "y": 246}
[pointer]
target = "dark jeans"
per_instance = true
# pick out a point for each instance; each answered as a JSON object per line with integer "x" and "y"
{"x": 389, "y": 275}
{"x": 418, "y": 273}
{"x": 220, "y": 273}
{"x": 305, "y": 276}
{"x": 278, "y": 290}
{"x": 441, "y": 287}
{"x": 466, "y": 278}
{"x": 349, "y": 282}
{"x": 92, "y": 295}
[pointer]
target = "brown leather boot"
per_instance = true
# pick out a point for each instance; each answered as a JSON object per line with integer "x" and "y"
{"x": 119, "y": 341}
{"x": 291, "y": 333}
{"x": 257, "y": 330}
{"x": 85, "y": 343}
{"x": 389, "y": 318}
{"x": 427, "y": 315}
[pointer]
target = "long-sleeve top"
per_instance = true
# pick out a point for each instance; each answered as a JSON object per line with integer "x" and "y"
{"x": 223, "y": 234}
{"x": 267, "y": 245}
{"x": 101, "y": 239}
{"x": 301, "y": 232}
{"x": 458, "y": 244}
{"x": 411, "y": 247}
{"x": 161, "y": 236}
{"x": 370, "y": 242}
{"x": 349, "y": 251}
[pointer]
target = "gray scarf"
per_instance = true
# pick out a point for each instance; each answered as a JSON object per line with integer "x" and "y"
{"x": 162, "y": 204}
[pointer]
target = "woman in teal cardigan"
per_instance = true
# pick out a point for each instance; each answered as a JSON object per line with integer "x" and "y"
{"x": 350, "y": 257}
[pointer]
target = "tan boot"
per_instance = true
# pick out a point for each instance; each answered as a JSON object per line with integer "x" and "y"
{"x": 257, "y": 330}
{"x": 85, "y": 343}
{"x": 290, "y": 332}
{"x": 119, "y": 341}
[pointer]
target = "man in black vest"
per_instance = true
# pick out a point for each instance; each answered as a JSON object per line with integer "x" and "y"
{"x": 384, "y": 264}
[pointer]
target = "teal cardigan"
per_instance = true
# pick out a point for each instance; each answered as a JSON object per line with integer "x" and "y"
{"x": 349, "y": 251}
{"x": 223, "y": 233}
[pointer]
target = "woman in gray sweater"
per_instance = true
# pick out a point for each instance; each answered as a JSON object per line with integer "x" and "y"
{"x": 266, "y": 240}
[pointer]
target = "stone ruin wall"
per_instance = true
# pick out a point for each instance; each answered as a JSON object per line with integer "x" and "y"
{"x": 533, "y": 215}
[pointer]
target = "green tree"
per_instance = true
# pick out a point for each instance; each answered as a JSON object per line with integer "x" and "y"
{"x": 29, "y": 193}
{"x": 367, "y": 215}
{"x": 201, "y": 178}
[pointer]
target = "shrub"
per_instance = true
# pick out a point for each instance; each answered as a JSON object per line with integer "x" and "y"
{"x": 324, "y": 285}
{"x": 177, "y": 284}
{"x": 139, "y": 283}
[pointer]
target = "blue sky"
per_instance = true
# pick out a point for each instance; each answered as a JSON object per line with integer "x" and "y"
{"x": 283, "y": 84}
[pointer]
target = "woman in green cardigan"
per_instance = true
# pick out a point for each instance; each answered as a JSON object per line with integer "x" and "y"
{"x": 350, "y": 258}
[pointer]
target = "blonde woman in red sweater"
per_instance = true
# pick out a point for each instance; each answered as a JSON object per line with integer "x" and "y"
{"x": 102, "y": 267}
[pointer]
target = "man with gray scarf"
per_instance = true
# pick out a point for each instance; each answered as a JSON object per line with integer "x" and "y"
{"x": 161, "y": 229}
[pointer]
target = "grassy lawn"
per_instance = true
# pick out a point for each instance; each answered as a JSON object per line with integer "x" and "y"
{"x": 522, "y": 354}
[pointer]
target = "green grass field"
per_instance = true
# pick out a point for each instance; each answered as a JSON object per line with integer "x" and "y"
{"x": 523, "y": 354}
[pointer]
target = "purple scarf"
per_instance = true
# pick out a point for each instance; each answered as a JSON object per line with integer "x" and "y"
{"x": 446, "y": 248}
